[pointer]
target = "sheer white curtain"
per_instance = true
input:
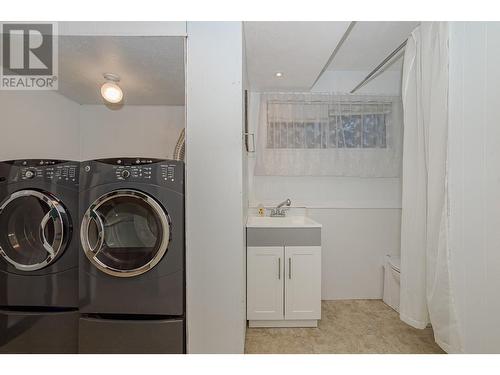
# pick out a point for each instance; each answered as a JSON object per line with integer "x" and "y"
{"x": 329, "y": 135}
{"x": 426, "y": 294}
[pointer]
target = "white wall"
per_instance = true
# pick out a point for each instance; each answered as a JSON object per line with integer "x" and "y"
{"x": 144, "y": 131}
{"x": 360, "y": 216}
{"x": 38, "y": 125}
{"x": 474, "y": 160}
{"x": 355, "y": 242}
{"x": 214, "y": 189}
{"x": 245, "y": 191}
{"x": 48, "y": 125}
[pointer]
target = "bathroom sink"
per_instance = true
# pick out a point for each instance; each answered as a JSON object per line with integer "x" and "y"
{"x": 281, "y": 222}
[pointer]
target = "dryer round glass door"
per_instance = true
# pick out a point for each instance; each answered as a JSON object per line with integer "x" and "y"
{"x": 34, "y": 229}
{"x": 125, "y": 233}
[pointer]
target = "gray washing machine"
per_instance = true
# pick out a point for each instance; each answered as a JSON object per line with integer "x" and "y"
{"x": 38, "y": 256}
{"x": 132, "y": 254}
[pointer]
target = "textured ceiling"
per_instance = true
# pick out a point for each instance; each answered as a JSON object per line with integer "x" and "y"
{"x": 298, "y": 49}
{"x": 301, "y": 49}
{"x": 151, "y": 68}
{"x": 369, "y": 43}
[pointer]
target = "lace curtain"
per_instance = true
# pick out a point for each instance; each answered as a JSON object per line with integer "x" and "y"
{"x": 307, "y": 134}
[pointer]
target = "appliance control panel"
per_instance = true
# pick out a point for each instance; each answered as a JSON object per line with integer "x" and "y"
{"x": 138, "y": 170}
{"x": 168, "y": 172}
{"x": 55, "y": 171}
{"x": 163, "y": 171}
{"x": 135, "y": 172}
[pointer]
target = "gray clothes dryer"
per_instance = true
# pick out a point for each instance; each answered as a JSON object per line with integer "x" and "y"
{"x": 131, "y": 261}
{"x": 38, "y": 256}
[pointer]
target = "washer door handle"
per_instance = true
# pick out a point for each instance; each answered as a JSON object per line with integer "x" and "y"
{"x": 94, "y": 217}
{"x": 43, "y": 224}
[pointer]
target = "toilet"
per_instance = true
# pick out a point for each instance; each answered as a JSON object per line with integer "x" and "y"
{"x": 392, "y": 272}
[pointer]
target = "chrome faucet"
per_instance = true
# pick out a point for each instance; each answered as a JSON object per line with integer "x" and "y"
{"x": 280, "y": 212}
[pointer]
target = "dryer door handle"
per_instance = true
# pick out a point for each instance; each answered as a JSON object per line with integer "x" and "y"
{"x": 43, "y": 224}
{"x": 94, "y": 217}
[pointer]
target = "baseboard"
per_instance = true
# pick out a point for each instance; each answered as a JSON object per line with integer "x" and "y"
{"x": 282, "y": 323}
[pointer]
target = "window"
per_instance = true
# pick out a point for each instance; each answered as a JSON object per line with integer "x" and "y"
{"x": 322, "y": 134}
{"x": 366, "y": 130}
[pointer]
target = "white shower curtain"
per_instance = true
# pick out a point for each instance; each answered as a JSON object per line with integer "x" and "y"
{"x": 426, "y": 294}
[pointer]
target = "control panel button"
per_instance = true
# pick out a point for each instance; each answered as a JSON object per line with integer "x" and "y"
{"x": 125, "y": 173}
{"x": 29, "y": 174}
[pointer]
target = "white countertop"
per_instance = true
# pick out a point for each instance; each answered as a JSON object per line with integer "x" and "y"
{"x": 281, "y": 222}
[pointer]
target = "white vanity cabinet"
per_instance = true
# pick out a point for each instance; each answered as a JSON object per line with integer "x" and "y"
{"x": 283, "y": 276}
{"x": 302, "y": 282}
{"x": 265, "y": 283}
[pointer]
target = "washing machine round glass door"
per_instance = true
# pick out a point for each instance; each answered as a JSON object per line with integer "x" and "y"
{"x": 34, "y": 229}
{"x": 125, "y": 233}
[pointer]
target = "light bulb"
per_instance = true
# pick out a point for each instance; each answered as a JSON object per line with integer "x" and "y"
{"x": 111, "y": 92}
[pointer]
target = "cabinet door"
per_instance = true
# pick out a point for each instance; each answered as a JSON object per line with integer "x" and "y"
{"x": 302, "y": 282}
{"x": 265, "y": 281}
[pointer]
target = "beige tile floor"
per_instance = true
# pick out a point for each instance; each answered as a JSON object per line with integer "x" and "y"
{"x": 354, "y": 326}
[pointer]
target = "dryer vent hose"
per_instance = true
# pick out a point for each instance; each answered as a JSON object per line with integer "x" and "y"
{"x": 180, "y": 146}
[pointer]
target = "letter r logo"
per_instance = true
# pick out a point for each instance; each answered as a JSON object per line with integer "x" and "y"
{"x": 27, "y": 49}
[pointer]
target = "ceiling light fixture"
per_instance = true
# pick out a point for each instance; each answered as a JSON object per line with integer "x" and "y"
{"x": 110, "y": 90}
{"x": 279, "y": 74}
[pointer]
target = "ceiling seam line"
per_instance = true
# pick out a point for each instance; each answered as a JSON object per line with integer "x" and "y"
{"x": 334, "y": 53}
{"x": 379, "y": 67}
